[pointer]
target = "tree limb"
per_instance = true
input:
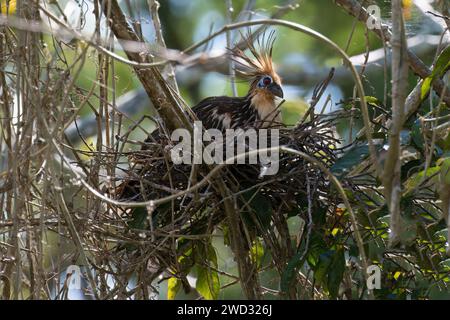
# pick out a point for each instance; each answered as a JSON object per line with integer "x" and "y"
{"x": 392, "y": 166}
{"x": 159, "y": 92}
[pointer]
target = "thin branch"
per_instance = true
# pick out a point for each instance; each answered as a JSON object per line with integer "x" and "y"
{"x": 153, "y": 6}
{"x": 157, "y": 89}
{"x": 354, "y": 8}
{"x": 231, "y": 64}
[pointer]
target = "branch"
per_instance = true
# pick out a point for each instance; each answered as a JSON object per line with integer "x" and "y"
{"x": 128, "y": 104}
{"x": 354, "y": 8}
{"x": 153, "y": 6}
{"x": 231, "y": 66}
{"x": 156, "y": 87}
{"x": 392, "y": 166}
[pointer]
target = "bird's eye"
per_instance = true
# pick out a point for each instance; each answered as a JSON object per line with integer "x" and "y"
{"x": 267, "y": 81}
{"x": 264, "y": 82}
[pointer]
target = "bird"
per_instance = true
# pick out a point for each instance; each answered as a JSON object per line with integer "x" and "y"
{"x": 259, "y": 108}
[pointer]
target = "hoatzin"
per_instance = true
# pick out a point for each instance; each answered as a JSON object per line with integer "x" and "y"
{"x": 259, "y": 108}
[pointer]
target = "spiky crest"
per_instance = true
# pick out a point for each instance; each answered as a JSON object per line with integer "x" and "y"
{"x": 261, "y": 63}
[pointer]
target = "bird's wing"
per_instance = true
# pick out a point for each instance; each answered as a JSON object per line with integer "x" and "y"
{"x": 225, "y": 112}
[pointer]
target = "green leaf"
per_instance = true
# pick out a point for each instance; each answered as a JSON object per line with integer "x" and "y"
{"x": 441, "y": 66}
{"x": 420, "y": 177}
{"x": 257, "y": 252}
{"x": 384, "y": 220}
{"x": 261, "y": 206}
{"x": 208, "y": 284}
{"x": 138, "y": 218}
{"x": 173, "y": 286}
{"x": 289, "y": 273}
{"x": 336, "y": 273}
{"x": 349, "y": 160}
{"x": 321, "y": 270}
{"x": 445, "y": 170}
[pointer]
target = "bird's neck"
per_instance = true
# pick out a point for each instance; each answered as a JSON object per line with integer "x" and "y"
{"x": 267, "y": 107}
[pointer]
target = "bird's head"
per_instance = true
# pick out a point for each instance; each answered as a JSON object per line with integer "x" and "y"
{"x": 259, "y": 69}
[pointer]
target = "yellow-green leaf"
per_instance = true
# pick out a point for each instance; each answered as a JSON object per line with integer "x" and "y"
{"x": 445, "y": 171}
{"x": 257, "y": 253}
{"x": 418, "y": 178}
{"x": 173, "y": 286}
{"x": 441, "y": 66}
{"x": 208, "y": 284}
{"x": 8, "y": 8}
{"x": 335, "y": 231}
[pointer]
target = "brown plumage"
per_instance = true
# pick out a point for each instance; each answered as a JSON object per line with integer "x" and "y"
{"x": 259, "y": 108}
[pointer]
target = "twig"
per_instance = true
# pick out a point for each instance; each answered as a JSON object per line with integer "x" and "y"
{"x": 154, "y": 7}
{"x": 157, "y": 89}
{"x": 231, "y": 68}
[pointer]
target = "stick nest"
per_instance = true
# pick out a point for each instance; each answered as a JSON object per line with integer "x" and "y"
{"x": 159, "y": 235}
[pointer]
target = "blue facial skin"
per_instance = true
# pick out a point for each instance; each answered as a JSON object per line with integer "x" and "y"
{"x": 264, "y": 82}
{"x": 267, "y": 82}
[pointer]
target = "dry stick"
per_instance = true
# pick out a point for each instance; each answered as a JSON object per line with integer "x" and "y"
{"x": 158, "y": 92}
{"x": 168, "y": 108}
{"x": 229, "y": 11}
{"x": 209, "y": 178}
{"x": 47, "y": 133}
{"x": 153, "y": 6}
{"x": 248, "y": 277}
{"x": 156, "y": 87}
{"x": 392, "y": 165}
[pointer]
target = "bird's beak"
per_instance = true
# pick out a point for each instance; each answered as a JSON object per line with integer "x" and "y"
{"x": 275, "y": 89}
